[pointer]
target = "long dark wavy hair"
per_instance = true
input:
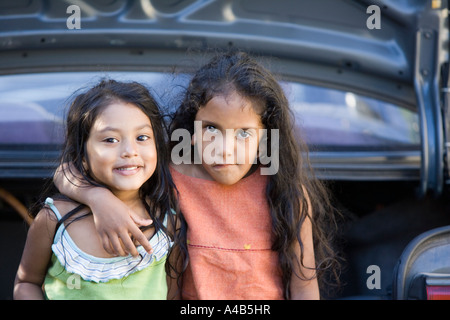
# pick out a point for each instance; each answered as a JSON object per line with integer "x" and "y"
{"x": 293, "y": 191}
{"x": 158, "y": 193}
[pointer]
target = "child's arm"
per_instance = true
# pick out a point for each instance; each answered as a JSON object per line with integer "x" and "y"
{"x": 113, "y": 219}
{"x": 305, "y": 289}
{"x": 35, "y": 258}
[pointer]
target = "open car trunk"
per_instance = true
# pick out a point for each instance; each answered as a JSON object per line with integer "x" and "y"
{"x": 367, "y": 82}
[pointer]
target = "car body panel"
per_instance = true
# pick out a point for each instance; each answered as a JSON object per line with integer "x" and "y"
{"x": 382, "y": 60}
{"x": 323, "y": 42}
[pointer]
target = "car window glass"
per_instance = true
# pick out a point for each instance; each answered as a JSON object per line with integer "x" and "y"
{"x": 331, "y": 118}
{"x": 32, "y": 110}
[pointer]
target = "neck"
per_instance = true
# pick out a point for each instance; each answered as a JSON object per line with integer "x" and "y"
{"x": 130, "y": 198}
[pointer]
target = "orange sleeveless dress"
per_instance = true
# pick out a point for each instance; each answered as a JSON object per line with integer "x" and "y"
{"x": 229, "y": 240}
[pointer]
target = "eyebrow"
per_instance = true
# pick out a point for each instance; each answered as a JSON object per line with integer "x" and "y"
{"x": 212, "y": 123}
{"x": 136, "y": 128}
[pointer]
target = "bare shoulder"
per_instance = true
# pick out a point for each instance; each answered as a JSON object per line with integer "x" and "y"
{"x": 47, "y": 213}
{"x": 82, "y": 231}
{"x": 44, "y": 223}
{"x": 46, "y": 219}
{"x": 66, "y": 206}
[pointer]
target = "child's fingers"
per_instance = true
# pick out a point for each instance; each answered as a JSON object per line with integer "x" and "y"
{"x": 141, "y": 222}
{"x": 107, "y": 245}
{"x": 128, "y": 246}
{"x": 122, "y": 245}
{"x": 116, "y": 245}
{"x": 141, "y": 239}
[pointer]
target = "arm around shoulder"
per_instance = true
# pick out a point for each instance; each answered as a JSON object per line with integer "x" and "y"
{"x": 112, "y": 218}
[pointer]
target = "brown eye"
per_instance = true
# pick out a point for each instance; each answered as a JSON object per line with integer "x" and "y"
{"x": 110, "y": 140}
{"x": 143, "y": 138}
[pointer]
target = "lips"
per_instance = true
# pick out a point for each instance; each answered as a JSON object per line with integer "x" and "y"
{"x": 128, "y": 169}
{"x": 222, "y": 166}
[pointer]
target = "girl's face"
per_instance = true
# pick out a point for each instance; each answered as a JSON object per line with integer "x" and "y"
{"x": 230, "y": 137}
{"x": 121, "y": 149}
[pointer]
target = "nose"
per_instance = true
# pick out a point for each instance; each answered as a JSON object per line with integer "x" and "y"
{"x": 228, "y": 145}
{"x": 129, "y": 149}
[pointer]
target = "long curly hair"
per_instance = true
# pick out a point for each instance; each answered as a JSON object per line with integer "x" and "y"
{"x": 293, "y": 191}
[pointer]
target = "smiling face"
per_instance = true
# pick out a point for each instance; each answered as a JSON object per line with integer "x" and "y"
{"x": 121, "y": 151}
{"x": 230, "y": 137}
